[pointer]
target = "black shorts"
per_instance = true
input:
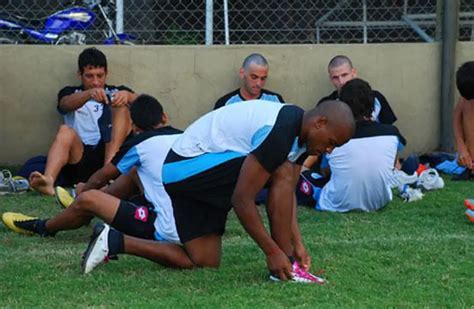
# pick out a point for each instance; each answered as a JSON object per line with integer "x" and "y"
{"x": 201, "y": 202}
{"x": 134, "y": 220}
{"x": 91, "y": 161}
{"x": 195, "y": 218}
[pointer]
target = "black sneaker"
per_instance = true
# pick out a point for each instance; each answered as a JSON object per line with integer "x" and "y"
{"x": 36, "y": 226}
{"x": 97, "y": 251}
{"x": 466, "y": 175}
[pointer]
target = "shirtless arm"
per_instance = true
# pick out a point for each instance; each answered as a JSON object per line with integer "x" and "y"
{"x": 464, "y": 158}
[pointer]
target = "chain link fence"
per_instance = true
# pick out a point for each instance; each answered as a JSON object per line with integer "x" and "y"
{"x": 175, "y": 22}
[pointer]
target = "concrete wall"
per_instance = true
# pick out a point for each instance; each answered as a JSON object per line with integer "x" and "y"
{"x": 189, "y": 79}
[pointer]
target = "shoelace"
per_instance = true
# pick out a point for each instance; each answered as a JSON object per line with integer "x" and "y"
{"x": 300, "y": 272}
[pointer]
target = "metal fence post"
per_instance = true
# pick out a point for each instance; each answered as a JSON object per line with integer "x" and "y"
{"x": 226, "y": 22}
{"x": 119, "y": 16}
{"x": 449, "y": 40}
{"x": 209, "y": 20}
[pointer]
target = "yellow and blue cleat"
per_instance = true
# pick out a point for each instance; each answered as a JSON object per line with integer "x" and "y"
{"x": 10, "y": 219}
{"x": 63, "y": 197}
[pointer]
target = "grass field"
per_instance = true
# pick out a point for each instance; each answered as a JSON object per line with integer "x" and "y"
{"x": 415, "y": 254}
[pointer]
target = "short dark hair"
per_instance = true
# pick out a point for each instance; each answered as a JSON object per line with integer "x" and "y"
{"x": 146, "y": 112}
{"x": 465, "y": 80}
{"x": 358, "y": 94}
{"x": 339, "y": 60}
{"x": 93, "y": 57}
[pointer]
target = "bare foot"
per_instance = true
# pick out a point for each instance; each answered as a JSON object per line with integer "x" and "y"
{"x": 41, "y": 183}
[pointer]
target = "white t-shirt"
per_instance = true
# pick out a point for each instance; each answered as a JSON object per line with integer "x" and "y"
{"x": 362, "y": 170}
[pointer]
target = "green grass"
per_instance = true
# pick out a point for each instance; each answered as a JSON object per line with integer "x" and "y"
{"x": 409, "y": 254}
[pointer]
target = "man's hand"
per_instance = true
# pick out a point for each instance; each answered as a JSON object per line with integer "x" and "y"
{"x": 79, "y": 188}
{"x": 99, "y": 95}
{"x": 464, "y": 158}
{"x": 120, "y": 98}
{"x": 302, "y": 257}
{"x": 279, "y": 265}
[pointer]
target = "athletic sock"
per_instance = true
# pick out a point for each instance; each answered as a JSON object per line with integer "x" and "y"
{"x": 116, "y": 242}
{"x": 41, "y": 227}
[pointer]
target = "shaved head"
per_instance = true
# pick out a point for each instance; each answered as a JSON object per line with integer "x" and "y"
{"x": 338, "y": 114}
{"x": 339, "y": 60}
{"x": 255, "y": 58}
{"x": 328, "y": 125}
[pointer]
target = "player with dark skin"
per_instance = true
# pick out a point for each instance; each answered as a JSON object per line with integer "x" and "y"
{"x": 322, "y": 129}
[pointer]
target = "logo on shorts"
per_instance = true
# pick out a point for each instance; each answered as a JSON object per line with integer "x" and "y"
{"x": 141, "y": 213}
{"x": 306, "y": 188}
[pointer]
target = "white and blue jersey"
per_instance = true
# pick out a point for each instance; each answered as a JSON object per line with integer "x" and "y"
{"x": 268, "y": 131}
{"x": 235, "y": 97}
{"x": 85, "y": 120}
{"x": 147, "y": 151}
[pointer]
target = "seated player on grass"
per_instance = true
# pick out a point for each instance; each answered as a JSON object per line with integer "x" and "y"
{"x": 146, "y": 151}
{"x": 463, "y": 120}
{"x": 362, "y": 170}
{"x": 253, "y": 77}
{"x": 97, "y": 121}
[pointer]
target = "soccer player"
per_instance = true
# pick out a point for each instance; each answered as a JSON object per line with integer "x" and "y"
{"x": 97, "y": 121}
{"x": 253, "y": 76}
{"x": 222, "y": 161}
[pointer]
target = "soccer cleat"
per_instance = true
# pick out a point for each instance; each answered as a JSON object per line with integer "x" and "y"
{"x": 469, "y": 203}
{"x": 12, "y": 184}
{"x": 63, "y": 197}
{"x": 12, "y": 220}
{"x": 301, "y": 276}
{"x": 97, "y": 251}
{"x": 470, "y": 215}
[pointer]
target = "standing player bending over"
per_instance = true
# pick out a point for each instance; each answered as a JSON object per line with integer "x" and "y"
{"x": 224, "y": 159}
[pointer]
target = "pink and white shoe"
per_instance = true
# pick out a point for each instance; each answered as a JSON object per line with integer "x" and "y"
{"x": 302, "y": 276}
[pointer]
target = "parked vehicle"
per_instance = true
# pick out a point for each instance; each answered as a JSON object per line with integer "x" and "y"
{"x": 68, "y": 26}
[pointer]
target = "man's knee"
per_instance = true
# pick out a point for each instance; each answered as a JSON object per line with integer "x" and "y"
{"x": 85, "y": 201}
{"x": 67, "y": 135}
{"x": 205, "y": 251}
{"x": 206, "y": 261}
